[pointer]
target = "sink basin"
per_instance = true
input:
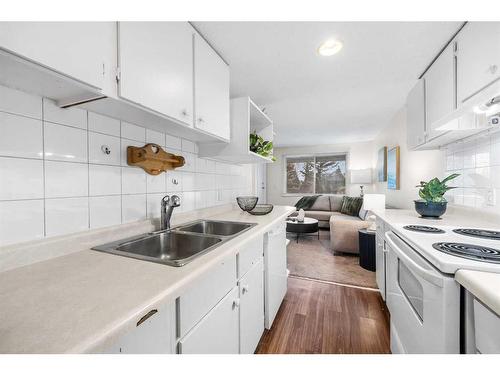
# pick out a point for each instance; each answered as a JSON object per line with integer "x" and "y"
{"x": 217, "y": 228}
{"x": 172, "y": 248}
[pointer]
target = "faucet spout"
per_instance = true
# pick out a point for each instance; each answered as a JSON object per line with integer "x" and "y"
{"x": 167, "y": 207}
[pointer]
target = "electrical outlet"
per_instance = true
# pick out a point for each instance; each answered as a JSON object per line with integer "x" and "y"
{"x": 491, "y": 198}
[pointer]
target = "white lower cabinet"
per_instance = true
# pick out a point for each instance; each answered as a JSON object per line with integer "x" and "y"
{"x": 218, "y": 331}
{"x": 154, "y": 334}
{"x": 380, "y": 258}
{"x": 251, "y": 308}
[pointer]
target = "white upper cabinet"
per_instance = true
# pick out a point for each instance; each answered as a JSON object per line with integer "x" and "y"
{"x": 211, "y": 82}
{"x": 81, "y": 50}
{"x": 440, "y": 97}
{"x": 478, "y": 58}
{"x": 415, "y": 115}
{"x": 156, "y": 67}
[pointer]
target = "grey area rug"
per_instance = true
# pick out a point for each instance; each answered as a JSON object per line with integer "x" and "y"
{"x": 314, "y": 259}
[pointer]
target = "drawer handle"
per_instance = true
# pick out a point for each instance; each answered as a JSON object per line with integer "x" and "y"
{"x": 146, "y": 317}
{"x": 245, "y": 289}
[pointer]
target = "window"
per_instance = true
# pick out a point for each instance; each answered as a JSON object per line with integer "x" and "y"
{"x": 322, "y": 174}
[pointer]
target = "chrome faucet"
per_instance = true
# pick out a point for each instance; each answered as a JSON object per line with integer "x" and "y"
{"x": 167, "y": 207}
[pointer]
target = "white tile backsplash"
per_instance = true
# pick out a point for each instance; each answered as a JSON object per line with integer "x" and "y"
{"x": 133, "y": 181}
{"x": 172, "y": 143}
{"x": 478, "y": 163}
{"x": 105, "y": 211}
{"x": 65, "y": 143}
{"x": 103, "y": 124}
{"x": 155, "y": 137}
{"x": 18, "y": 102}
{"x": 21, "y": 221}
{"x": 56, "y": 179}
{"x": 21, "y": 178}
{"x": 66, "y": 215}
{"x": 104, "y": 149}
{"x": 64, "y": 180}
{"x": 66, "y": 116}
{"x": 133, "y": 208}
{"x": 134, "y": 132}
{"x": 20, "y": 136}
{"x": 105, "y": 180}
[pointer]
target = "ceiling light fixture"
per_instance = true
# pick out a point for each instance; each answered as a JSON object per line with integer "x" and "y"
{"x": 330, "y": 47}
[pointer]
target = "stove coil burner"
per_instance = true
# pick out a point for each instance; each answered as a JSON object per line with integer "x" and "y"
{"x": 468, "y": 251}
{"x": 423, "y": 229}
{"x": 479, "y": 233}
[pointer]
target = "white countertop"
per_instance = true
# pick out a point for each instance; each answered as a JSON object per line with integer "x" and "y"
{"x": 81, "y": 302}
{"x": 484, "y": 285}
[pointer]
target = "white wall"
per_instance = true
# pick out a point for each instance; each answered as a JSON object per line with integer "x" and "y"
{"x": 55, "y": 179}
{"x": 415, "y": 166}
{"x": 360, "y": 156}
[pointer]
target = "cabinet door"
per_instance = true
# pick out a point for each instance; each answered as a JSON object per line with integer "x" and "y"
{"x": 81, "y": 50}
{"x": 156, "y": 67}
{"x": 154, "y": 334}
{"x": 217, "y": 332}
{"x": 440, "y": 98}
{"x": 251, "y": 308}
{"x": 415, "y": 115}
{"x": 211, "y": 76}
{"x": 478, "y": 57}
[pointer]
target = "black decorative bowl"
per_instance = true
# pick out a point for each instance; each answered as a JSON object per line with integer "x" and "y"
{"x": 247, "y": 203}
{"x": 262, "y": 209}
{"x": 430, "y": 209}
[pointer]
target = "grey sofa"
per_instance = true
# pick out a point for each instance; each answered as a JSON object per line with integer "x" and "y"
{"x": 343, "y": 228}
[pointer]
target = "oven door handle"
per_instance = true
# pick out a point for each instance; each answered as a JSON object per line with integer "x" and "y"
{"x": 411, "y": 264}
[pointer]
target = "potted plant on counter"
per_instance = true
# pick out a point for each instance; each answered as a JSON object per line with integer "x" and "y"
{"x": 432, "y": 202}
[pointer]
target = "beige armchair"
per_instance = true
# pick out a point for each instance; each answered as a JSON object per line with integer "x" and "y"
{"x": 344, "y": 233}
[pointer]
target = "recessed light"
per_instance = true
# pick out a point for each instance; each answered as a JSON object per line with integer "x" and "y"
{"x": 330, "y": 47}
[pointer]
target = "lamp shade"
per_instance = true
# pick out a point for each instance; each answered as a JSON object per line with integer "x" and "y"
{"x": 361, "y": 176}
{"x": 374, "y": 202}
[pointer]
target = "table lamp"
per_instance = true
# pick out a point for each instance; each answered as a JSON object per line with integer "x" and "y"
{"x": 373, "y": 202}
{"x": 361, "y": 177}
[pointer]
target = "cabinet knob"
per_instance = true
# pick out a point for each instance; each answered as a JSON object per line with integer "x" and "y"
{"x": 236, "y": 303}
{"x": 185, "y": 113}
{"x": 493, "y": 69}
{"x": 200, "y": 120}
{"x": 245, "y": 289}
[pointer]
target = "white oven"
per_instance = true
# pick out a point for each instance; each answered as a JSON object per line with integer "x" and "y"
{"x": 424, "y": 303}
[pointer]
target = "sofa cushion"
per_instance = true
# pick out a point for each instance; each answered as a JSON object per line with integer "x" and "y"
{"x": 351, "y": 205}
{"x": 336, "y": 202}
{"x": 319, "y": 215}
{"x": 322, "y": 204}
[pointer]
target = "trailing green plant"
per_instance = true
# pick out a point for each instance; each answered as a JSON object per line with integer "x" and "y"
{"x": 260, "y": 146}
{"x": 434, "y": 190}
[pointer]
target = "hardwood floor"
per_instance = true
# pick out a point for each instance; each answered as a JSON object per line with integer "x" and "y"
{"x": 318, "y": 317}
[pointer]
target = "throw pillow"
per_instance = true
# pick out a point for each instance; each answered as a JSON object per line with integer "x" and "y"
{"x": 351, "y": 206}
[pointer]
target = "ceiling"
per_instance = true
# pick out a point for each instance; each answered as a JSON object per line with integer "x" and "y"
{"x": 312, "y": 99}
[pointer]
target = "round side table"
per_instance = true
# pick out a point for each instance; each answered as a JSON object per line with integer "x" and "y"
{"x": 308, "y": 226}
{"x": 367, "y": 249}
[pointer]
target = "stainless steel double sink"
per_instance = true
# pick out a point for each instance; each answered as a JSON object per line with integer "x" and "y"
{"x": 177, "y": 246}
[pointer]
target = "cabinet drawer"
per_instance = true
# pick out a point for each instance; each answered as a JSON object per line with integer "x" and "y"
{"x": 207, "y": 291}
{"x": 249, "y": 254}
{"x": 217, "y": 333}
{"x": 487, "y": 329}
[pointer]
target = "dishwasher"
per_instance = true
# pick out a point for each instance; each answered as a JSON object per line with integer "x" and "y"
{"x": 275, "y": 272}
